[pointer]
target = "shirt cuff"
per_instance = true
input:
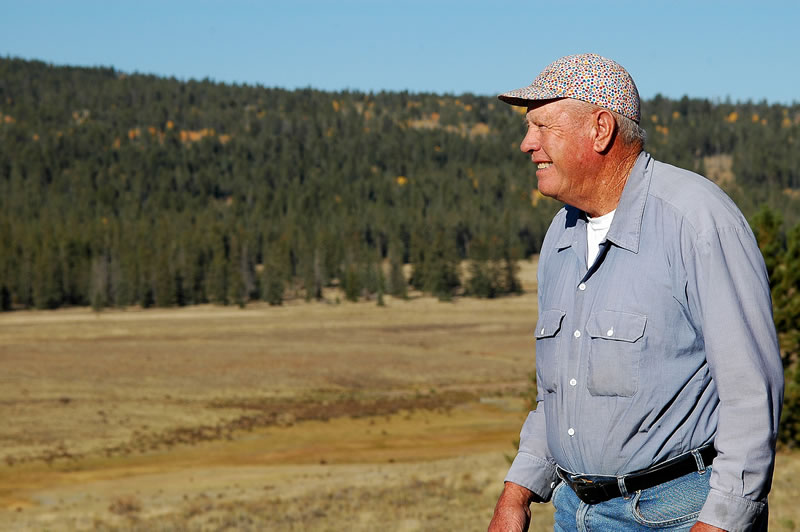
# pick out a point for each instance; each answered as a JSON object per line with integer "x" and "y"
{"x": 534, "y": 473}
{"x": 728, "y": 512}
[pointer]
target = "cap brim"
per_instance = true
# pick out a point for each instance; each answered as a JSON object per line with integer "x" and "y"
{"x": 520, "y": 101}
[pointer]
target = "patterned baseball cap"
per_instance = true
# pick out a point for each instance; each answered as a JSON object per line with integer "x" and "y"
{"x": 587, "y": 77}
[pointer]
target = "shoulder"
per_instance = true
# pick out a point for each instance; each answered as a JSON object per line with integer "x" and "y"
{"x": 698, "y": 203}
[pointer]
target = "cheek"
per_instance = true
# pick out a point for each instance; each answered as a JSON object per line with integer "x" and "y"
{"x": 580, "y": 153}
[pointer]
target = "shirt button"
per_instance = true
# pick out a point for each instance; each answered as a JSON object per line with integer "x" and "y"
{"x": 571, "y": 432}
{"x": 610, "y": 332}
{"x": 576, "y": 334}
{"x": 573, "y": 382}
{"x": 582, "y": 286}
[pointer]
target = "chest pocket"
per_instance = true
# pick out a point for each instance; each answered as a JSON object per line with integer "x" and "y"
{"x": 616, "y": 344}
{"x": 548, "y": 339}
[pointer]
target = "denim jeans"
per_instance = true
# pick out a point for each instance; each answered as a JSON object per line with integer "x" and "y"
{"x": 670, "y": 506}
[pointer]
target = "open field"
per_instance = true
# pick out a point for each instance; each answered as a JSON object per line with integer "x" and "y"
{"x": 303, "y": 417}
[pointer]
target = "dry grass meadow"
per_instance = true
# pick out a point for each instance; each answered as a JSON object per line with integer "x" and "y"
{"x": 310, "y": 416}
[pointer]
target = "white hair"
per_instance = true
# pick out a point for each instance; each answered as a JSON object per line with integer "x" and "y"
{"x": 628, "y": 131}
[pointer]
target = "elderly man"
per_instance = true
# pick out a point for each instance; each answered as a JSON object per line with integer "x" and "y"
{"x": 658, "y": 371}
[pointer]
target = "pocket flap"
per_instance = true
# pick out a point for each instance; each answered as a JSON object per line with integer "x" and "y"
{"x": 549, "y": 323}
{"x": 615, "y": 325}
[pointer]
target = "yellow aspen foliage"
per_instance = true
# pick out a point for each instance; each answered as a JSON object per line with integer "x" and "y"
{"x": 330, "y": 132}
{"x": 675, "y": 115}
{"x": 664, "y": 130}
{"x": 401, "y": 180}
{"x": 367, "y": 114}
{"x": 470, "y": 172}
{"x": 468, "y": 108}
{"x": 654, "y": 119}
{"x": 195, "y": 136}
{"x": 792, "y": 193}
{"x": 117, "y": 143}
{"x": 104, "y": 220}
{"x": 763, "y": 121}
{"x": 8, "y": 119}
{"x": 152, "y": 131}
{"x": 224, "y": 139}
{"x": 520, "y": 110}
{"x": 134, "y": 133}
{"x": 755, "y": 118}
{"x": 35, "y": 137}
{"x": 437, "y": 148}
{"x": 435, "y": 116}
{"x": 261, "y": 114}
{"x": 536, "y": 196}
{"x": 732, "y": 118}
{"x": 170, "y": 124}
{"x": 786, "y": 122}
{"x": 475, "y": 183}
{"x": 481, "y": 129}
{"x": 335, "y": 106}
{"x": 337, "y": 198}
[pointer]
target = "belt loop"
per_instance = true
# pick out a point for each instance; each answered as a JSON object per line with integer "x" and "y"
{"x": 622, "y": 488}
{"x": 698, "y": 458}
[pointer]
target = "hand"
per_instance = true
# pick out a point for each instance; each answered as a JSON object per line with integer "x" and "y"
{"x": 512, "y": 512}
{"x": 704, "y": 527}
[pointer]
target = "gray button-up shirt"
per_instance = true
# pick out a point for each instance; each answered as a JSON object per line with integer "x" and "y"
{"x": 664, "y": 344}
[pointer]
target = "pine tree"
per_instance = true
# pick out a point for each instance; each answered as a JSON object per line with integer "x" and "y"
{"x": 98, "y": 290}
{"x": 273, "y": 275}
{"x": 397, "y": 283}
{"x": 786, "y": 304}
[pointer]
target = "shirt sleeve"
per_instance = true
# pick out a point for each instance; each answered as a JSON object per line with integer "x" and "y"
{"x": 532, "y": 467}
{"x": 729, "y": 299}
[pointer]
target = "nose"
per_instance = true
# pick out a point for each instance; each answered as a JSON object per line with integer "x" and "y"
{"x": 530, "y": 142}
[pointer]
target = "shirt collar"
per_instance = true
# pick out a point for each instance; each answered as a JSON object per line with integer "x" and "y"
{"x": 626, "y": 228}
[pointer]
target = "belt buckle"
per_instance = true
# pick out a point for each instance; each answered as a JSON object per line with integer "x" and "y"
{"x": 590, "y": 494}
{"x": 586, "y": 489}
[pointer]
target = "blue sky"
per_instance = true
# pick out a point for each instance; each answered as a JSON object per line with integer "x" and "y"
{"x": 701, "y": 48}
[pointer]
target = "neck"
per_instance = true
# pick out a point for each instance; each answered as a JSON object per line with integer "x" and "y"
{"x": 610, "y": 180}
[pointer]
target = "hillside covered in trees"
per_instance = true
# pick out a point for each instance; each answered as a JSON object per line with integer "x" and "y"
{"x": 119, "y": 190}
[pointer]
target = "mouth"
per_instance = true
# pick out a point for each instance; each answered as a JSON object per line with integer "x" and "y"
{"x": 542, "y": 166}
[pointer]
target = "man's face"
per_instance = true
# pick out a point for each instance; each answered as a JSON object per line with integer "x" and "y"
{"x": 557, "y": 140}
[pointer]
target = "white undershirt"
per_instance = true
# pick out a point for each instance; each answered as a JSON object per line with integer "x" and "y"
{"x": 596, "y": 231}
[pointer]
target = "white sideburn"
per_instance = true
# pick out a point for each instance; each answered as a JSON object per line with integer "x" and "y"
{"x": 596, "y": 230}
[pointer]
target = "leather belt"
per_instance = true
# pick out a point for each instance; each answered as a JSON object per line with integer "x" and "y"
{"x": 592, "y": 490}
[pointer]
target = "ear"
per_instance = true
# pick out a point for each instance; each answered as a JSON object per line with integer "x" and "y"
{"x": 603, "y": 129}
